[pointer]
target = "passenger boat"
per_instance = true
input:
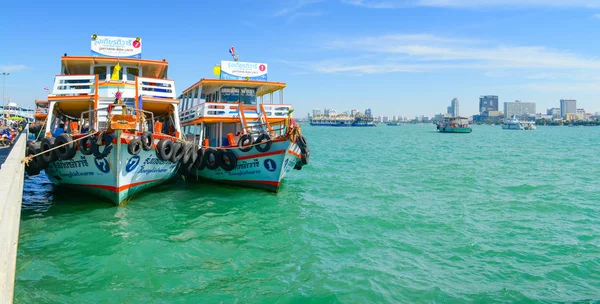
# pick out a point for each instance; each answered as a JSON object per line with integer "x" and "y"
{"x": 393, "y": 124}
{"x": 246, "y": 140}
{"x": 515, "y": 124}
{"x": 40, "y": 115}
{"x": 110, "y": 122}
{"x": 454, "y": 125}
{"x": 342, "y": 120}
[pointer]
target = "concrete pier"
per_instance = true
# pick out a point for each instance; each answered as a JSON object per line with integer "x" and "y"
{"x": 12, "y": 175}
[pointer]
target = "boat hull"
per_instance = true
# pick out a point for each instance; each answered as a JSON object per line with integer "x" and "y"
{"x": 263, "y": 170}
{"x": 116, "y": 177}
{"x": 341, "y": 125}
{"x": 456, "y": 130}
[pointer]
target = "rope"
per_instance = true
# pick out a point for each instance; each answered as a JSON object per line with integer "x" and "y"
{"x": 42, "y": 126}
{"x": 28, "y": 158}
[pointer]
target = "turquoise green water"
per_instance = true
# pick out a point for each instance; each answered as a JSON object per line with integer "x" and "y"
{"x": 381, "y": 215}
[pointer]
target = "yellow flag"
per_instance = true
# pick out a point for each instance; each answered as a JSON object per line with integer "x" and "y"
{"x": 115, "y": 73}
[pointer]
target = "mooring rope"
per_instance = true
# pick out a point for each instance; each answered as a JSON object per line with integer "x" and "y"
{"x": 28, "y": 158}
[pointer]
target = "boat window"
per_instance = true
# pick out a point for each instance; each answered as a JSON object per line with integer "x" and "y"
{"x": 132, "y": 72}
{"x": 129, "y": 102}
{"x": 235, "y": 95}
{"x": 101, "y": 72}
{"x": 112, "y": 70}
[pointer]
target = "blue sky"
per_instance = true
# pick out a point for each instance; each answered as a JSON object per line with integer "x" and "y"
{"x": 398, "y": 57}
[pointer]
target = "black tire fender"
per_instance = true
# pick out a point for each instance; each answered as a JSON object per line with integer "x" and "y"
{"x": 229, "y": 155}
{"x": 67, "y": 151}
{"x": 178, "y": 151}
{"x": 262, "y": 138}
{"x": 36, "y": 164}
{"x": 164, "y": 149}
{"x": 216, "y": 155}
{"x": 245, "y": 147}
{"x": 134, "y": 147}
{"x": 83, "y": 145}
{"x": 147, "y": 140}
{"x": 47, "y": 144}
{"x": 107, "y": 146}
{"x": 200, "y": 164}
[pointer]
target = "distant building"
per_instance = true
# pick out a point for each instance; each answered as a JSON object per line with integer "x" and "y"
{"x": 368, "y": 112}
{"x": 488, "y": 103}
{"x": 518, "y": 109}
{"x": 568, "y": 106}
{"x": 554, "y": 112}
{"x": 453, "y": 108}
{"x": 317, "y": 112}
{"x": 353, "y": 112}
{"x": 385, "y": 119}
{"x": 580, "y": 113}
{"x": 571, "y": 116}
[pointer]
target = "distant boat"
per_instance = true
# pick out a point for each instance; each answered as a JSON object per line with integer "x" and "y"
{"x": 395, "y": 124}
{"x": 514, "y": 124}
{"x": 454, "y": 125}
{"x": 359, "y": 120}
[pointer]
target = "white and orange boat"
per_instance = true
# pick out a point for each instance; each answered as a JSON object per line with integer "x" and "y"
{"x": 112, "y": 123}
{"x": 247, "y": 139}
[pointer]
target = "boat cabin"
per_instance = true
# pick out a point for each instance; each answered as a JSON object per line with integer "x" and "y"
{"x": 214, "y": 108}
{"x": 90, "y": 87}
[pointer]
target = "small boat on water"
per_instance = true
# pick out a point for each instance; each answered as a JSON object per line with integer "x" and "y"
{"x": 248, "y": 139}
{"x": 515, "y": 124}
{"x": 343, "y": 120}
{"x": 111, "y": 119}
{"x": 393, "y": 124}
{"x": 454, "y": 125}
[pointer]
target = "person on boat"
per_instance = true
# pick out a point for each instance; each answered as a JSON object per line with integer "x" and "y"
{"x": 60, "y": 130}
{"x": 171, "y": 130}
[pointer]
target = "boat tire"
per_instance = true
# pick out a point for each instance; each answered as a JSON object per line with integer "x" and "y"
{"x": 134, "y": 147}
{"x": 147, "y": 140}
{"x": 298, "y": 166}
{"x": 200, "y": 164}
{"x": 230, "y": 156}
{"x": 164, "y": 149}
{"x": 245, "y": 147}
{"x": 188, "y": 152}
{"x": 268, "y": 143}
{"x": 67, "y": 151}
{"x": 47, "y": 144}
{"x": 305, "y": 156}
{"x": 216, "y": 155}
{"x": 301, "y": 141}
{"x": 107, "y": 147}
{"x": 83, "y": 145}
{"x": 178, "y": 151}
{"x": 36, "y": 164}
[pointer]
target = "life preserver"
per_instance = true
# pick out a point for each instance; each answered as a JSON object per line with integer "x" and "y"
{"x": 67, "y": 151}
{"x": 83, "y": 145}
{"x": 147, "y": 140}
{"x": 216, "y": 156}
{"x": 245, "y": 143}
{"x": 47, "y": 144}
{"x": 96, "y": 144}
{"x": 178, "y": 151}
{"x": 36, "y": 164}
{"x": 261, "y": 138}
{"x": 134, "y": 147}
{"x": 230, "y": 156}
{"x": 164, "y": 149}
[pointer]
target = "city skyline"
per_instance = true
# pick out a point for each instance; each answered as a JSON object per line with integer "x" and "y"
{"x": 401, "y": 55}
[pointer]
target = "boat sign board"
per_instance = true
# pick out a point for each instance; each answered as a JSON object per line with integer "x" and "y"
{"x": 107, "y": 46}
{"x": 236, "y": 70}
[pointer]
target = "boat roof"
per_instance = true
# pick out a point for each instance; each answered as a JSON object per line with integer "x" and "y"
{"x": 213, "y": 85}
{"x": 80, "y": 65}
{"x": 41, "y": 102}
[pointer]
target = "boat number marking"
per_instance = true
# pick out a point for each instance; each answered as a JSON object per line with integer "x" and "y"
{"x": 102, "y": 164}
{"x": 270, "y": 165}
{"x": 132, "y": 163}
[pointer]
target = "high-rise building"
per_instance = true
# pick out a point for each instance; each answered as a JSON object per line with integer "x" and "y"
{"x": 368, "y": 112}
{"x": 488, "y": 103}
{"x": 568, "y": 106}
{"x": 317, "y": 112}
{"x": 453, "y": 108}
{"x": 554, "y": 112}
{"x": 518, "y": 108}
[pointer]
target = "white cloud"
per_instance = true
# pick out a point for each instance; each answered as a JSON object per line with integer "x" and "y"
{"x": 382, "y": 4}
{"x": 294, "y": 6}
{"x": 12, "y": 68}
{"x": 421, "y": 52}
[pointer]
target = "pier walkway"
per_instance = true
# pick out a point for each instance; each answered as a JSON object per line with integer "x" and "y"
{"x": 12, "y": 175}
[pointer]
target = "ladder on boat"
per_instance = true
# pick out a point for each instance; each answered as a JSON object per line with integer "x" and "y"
{"x": 254, "y": 122}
